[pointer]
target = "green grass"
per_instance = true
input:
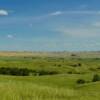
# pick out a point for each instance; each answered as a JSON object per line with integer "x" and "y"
{"x": 61, "y": 65}
{"x": 34, "y": 88}
{"x": 61, "y": 86}
{"x": 57, "y": 87}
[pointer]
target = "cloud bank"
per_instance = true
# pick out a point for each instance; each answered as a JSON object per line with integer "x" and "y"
{"x": 10, "y": 36}
{"x": 3, "y": 12}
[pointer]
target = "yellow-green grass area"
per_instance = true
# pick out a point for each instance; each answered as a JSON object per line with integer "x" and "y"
{"x": 55, "y": 87}
{"x": 60, "y": 65}
{"x": 59, "y": 86}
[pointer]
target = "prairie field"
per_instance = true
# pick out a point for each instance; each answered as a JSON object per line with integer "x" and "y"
{"x": 49, "y": 76}
{"x": 49, "y": 49}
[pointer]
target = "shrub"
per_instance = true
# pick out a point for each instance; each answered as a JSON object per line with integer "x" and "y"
{"x": 80, "y": 81}
{"x": 79, "y": 64}
{"x": 96, "y": 77}
{"x": 73, "y": 55}
{"x": 70, "y": 72}
{"x": 74, "y": 65}
{"x": 59, "y": 65}
{"x": 43, "y": 72}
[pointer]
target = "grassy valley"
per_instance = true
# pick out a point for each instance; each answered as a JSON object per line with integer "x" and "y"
{"x": 49, "y": 76}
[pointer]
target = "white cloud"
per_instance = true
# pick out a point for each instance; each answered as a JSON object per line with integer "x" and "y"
{"x": 10, "y": 36}
{"x": 86, "y": 12}
{"x": 56, "y": 13}
{"x": 3, "y": 12}
{"x": 72, "y": 12}
{"x": 79, "y": 32}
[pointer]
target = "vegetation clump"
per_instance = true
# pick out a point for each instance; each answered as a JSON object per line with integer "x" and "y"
{"x": 15, "y": 71}
{"x": 24, "y": 72}
{"x": 80, "y": 81}
{"x": 96, "y": 78}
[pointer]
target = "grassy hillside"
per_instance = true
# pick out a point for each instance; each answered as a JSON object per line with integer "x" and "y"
{"x": 52, "y": 77}
{"x": 60, "y": 87}
{"x": 52, "y": 64}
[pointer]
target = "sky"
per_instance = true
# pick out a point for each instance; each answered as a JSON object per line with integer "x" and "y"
{"x": 49, "y": 25}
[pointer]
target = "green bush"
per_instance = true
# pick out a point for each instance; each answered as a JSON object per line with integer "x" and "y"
{"x": 43, "y": 72}
{"x": 96, "y": 77}
{"x": 80, "y": 81}
{"x": 79, "y": 64}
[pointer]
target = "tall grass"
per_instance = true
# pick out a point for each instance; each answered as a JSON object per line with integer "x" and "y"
{"x": 23, "y": 90}
{"x": 43, "y": 88}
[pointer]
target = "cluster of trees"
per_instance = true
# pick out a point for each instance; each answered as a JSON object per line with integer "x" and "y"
{"x": 15, "y": 71}
{"x": 24, "y": 72}
{"x": 95, "y": 78}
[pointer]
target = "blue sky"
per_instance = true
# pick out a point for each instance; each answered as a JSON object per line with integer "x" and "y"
{"x": 50, "y": 25}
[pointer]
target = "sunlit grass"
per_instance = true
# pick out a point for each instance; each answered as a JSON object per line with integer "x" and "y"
{"x": 60, "y": 86}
